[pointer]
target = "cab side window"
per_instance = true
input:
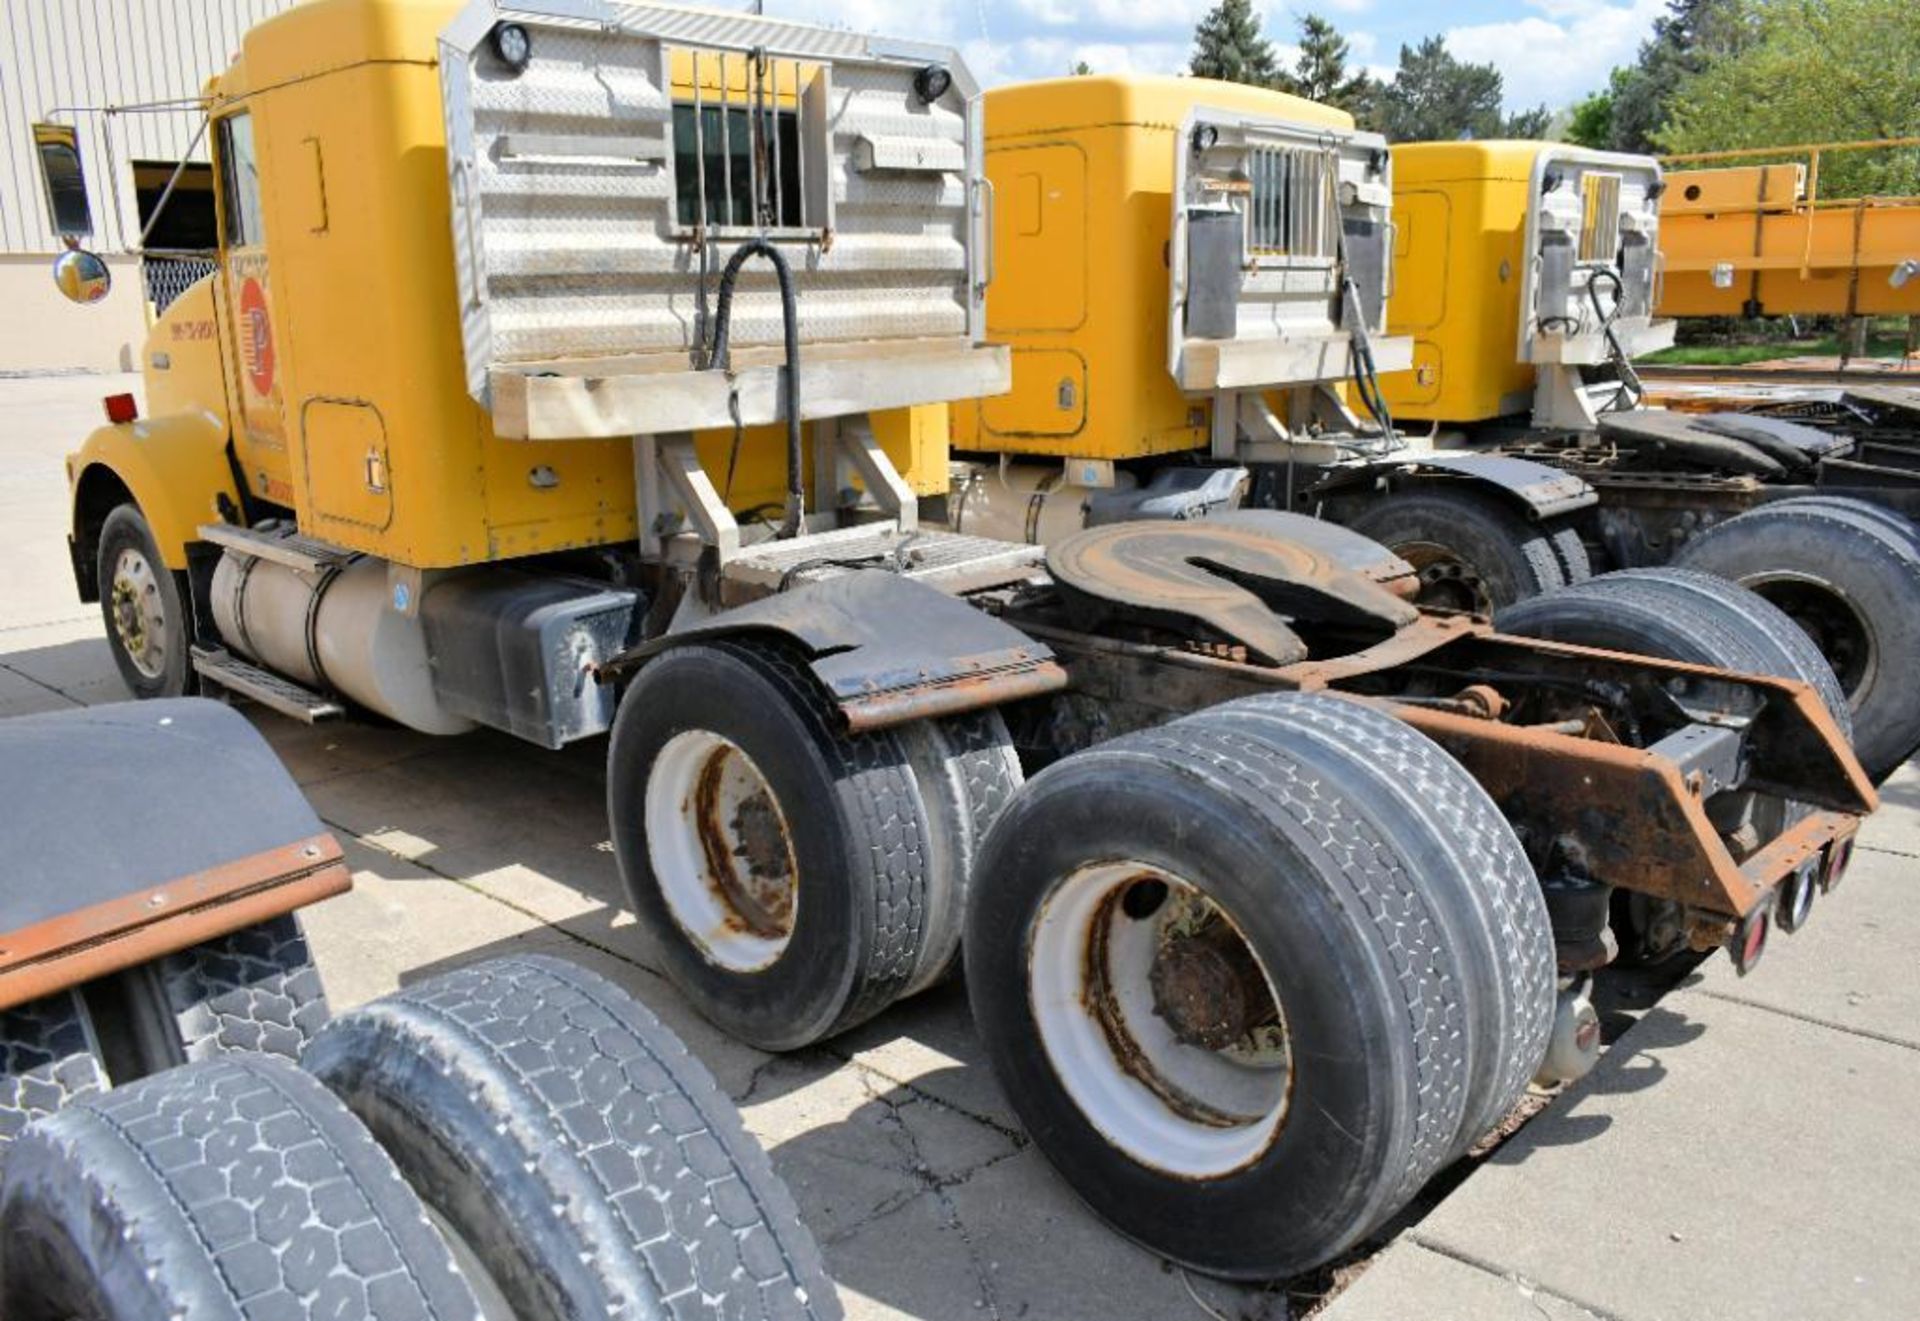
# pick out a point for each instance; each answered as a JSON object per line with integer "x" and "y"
{"x": 240, "y": 180}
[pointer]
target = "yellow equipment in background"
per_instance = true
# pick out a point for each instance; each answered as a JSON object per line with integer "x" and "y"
{"x": 1759, "y": 240}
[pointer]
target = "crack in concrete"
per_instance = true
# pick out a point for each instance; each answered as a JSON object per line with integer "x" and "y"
{"x": 1499, "y": 1272}
{"x": 916, "y": 1165}
{"x": 62, "y": 694}
{"x": 1866, "y": 1033}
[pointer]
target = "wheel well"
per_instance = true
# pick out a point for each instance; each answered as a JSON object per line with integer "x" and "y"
{"x": 98, "y": 493}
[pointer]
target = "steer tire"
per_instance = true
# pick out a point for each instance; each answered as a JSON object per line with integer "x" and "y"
{"x": 1223, "y": 824}
{"x": 232, "y": 1188}
{"x": 967, "y": 772}
{"x": 1475, "y": 870}
{"x": 846, "y": 808}
{"x": 1850, "y": 576}
{"x": 1472, "y": 551}
{"x": 127, "y": 533}
{"x": 48, "y": 1058}
{"x": 568, "y": 1138}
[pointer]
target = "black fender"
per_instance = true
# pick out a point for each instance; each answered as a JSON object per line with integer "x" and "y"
{"x": 1539, "y": 490}
{"x": 885, "y": 649}
{"x": 141, "y": 828}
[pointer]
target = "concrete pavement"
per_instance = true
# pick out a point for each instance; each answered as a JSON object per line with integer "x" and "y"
{"x": 1746, "y": 1151}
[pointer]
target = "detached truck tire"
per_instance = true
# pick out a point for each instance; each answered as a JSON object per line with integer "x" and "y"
{"x": 229, "y": 1189}
{"x": 577, "y": 1149}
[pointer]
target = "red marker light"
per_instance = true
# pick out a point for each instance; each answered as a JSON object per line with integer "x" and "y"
{"x": 121, "y": 408}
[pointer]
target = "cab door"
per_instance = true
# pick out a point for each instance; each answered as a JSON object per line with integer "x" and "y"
{"x": 254, "y": 392}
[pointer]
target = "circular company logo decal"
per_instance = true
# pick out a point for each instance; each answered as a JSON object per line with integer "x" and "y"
{"x": 256, "y": 336}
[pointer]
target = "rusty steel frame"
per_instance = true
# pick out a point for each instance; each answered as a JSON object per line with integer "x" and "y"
{"x": 1642, "y": 823}
{"x": 155, "y": 920}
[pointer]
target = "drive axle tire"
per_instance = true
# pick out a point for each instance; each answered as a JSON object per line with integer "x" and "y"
{"x": 1682, "y": 614}
{"x": 1475, "y": 871}
{"x": 1221, "y": 996}
{"x": 48, "y": 1058}
{"x": 1472, "y": 552}
{"x": 570, "y": 1141}
{"x": 967, "y": 772}
{"x": 780, "y": 864}
{"x": 1850, "y": 577}
{"x": 144, "y": 605}
{"x": 228, "y": 1189}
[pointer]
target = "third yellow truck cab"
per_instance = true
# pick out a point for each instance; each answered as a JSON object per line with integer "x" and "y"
{"x": 1524, "y": 271}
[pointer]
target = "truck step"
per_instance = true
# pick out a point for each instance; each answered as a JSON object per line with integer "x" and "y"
{"x": 281, "y": 546}
{"x": 220, "y": 666}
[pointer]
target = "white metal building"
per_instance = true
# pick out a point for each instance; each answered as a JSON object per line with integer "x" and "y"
{"x": 63, "y": 61}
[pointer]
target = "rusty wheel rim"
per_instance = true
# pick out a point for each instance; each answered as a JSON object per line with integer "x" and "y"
{"x": 1159, "y": 1019}
{"x": 1447, "y": 581}
{"x": 139, "y": 613}
{"x": 721, "y": 851}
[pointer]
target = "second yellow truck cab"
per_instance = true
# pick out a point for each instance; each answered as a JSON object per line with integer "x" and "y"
{"x": 1181, "y": 267}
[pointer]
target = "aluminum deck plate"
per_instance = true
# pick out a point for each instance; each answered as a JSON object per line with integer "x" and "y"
{"x": 948, "y": 560}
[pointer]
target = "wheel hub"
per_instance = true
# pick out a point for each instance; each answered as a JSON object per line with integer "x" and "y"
{"x": 139, "y": 619}
{"x": 1446, "y": 581}
{"x": 1209, "y": 989}
{"x": 722, "y": 851}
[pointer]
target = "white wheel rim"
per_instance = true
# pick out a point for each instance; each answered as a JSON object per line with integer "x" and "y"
{"x": 721, "y": 851}
{"x": 139, "y": 613}
{"x": 1183, "y": 1108}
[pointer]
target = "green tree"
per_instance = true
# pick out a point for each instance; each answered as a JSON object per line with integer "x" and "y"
{"x": 1434, "y": 96}
{"x": 1690, "y": 37}
{"x": 1527, "y": 123}
{"x": 1591, "y": 122}
{"x": 1080, "y": 69}
{"x": 1321, "y": 73}
{"x": 1814, "y": 71}
{"x": 1228, "y": 45}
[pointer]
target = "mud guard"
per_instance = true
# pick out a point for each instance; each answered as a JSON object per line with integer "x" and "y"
{"x": 141, "y": 828}
{"x": 886, "y": 649}
{"x": 1540, "y": 491}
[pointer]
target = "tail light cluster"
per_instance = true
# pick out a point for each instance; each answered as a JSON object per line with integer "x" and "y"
{"x": 1790, "y": 905}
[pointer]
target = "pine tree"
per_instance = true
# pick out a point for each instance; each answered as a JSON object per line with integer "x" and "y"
{"x": 1435, "y": 97}
{"x": 1689, "y": 37}
{"x": 1320, "y": 74}
{"x": 1228, "y": 45}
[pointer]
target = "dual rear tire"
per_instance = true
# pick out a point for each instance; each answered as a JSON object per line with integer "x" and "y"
{"x": 795, "y": 878}
{"x": 1252, "y": 977}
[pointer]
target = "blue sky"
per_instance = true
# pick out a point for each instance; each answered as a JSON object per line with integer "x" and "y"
{"x": 1554, "y": 51}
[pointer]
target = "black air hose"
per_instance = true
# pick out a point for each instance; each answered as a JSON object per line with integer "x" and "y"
{"x": 721, "y": 358}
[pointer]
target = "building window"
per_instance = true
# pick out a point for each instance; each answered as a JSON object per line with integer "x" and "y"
{"x": 743, "y": 160}
{"x": 240, "y": 180}
{"x": 65, "y": 180}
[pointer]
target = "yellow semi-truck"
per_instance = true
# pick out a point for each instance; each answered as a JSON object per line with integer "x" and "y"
{"x": 568, "y": 368}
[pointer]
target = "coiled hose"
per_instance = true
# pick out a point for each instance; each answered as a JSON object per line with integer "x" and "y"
{"x": 721, "y": 358}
